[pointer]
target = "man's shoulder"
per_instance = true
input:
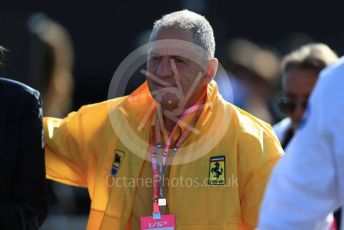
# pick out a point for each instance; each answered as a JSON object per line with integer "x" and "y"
{"x": 337, "y": 67}
{"x": 249, "y": 127}
{"x": 248, "y": 123}
{"x": 111, "y": 103}
{"x": 16, "y": 92}
{"x": 330, "y": 83}
{"x": 91, "y": 117}
{"x": 99, "y": 109}
{"x": 255, "y": 137}
{"x": 326, "y": 105}
{"x": 13, "y": 87}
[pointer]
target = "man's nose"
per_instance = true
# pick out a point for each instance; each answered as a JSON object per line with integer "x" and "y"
{"x": 165, "y": 68}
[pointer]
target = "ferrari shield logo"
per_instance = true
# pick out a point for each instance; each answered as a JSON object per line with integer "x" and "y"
{"x": 116, "y": 162}
{"x": 217, "y": 170}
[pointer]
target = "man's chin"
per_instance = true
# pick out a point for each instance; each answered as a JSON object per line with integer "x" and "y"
{"x": 168, "y": 104}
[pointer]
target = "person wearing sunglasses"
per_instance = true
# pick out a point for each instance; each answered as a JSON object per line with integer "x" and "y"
{"x": 308, "y": 182}
{"x": 300, "y": 70}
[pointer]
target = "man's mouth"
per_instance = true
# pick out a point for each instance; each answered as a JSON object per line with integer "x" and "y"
{"x": 166, "y": 85}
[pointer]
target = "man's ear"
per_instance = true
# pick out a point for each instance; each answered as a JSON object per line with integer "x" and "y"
{"x": 211, "y": 69}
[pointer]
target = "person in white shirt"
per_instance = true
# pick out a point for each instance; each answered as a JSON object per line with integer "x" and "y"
{"x": 308, "y": 182}
{"x": 300, "y": 70}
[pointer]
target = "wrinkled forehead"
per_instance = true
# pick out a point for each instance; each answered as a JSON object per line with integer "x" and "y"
{"x": 181, "y": 48}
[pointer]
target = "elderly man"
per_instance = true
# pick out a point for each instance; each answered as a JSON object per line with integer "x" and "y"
{"x": 175, "y": 127}
{"x": 23, "y": 203}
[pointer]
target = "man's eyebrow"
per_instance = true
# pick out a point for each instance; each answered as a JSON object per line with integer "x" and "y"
{"x": 154, "y": 53}
{"x": 176, "y": 56}
{"x": 173, "y": 56}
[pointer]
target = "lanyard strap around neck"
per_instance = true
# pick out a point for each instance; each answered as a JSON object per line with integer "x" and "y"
{"x": 159, "y": 159}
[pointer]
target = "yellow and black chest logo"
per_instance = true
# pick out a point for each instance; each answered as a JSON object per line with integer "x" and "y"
{"x": 217, "y": 170}
{"x": 116, "y": 162}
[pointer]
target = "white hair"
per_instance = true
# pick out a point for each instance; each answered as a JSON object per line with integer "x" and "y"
{"x": 198, "y": 25}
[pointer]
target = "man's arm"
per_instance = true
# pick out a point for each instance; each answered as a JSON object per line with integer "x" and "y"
{"x": 27, "y": 208}
{"x": 65, "y": 156}
{"x": 70, "y": 155}
{"x": 257, "y": 156}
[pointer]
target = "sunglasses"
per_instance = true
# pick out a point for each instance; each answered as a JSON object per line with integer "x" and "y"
{"x": 288, "y": 106}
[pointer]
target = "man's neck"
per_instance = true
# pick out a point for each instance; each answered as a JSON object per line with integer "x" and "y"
{"x": 169, "y": 124}
{"x": 171, "y": 117}
{"x": 166, "y": 114}
{"x": 170, "y": 111}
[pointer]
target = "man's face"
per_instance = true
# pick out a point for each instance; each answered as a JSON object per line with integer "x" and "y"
{"x": 299, "y": 84}
{"x": 177, "y": 75}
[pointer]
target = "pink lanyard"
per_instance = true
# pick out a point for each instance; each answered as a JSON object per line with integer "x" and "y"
{"x": 159, "y": 169}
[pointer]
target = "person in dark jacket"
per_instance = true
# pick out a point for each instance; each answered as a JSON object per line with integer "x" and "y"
{"x": 22, "y": 171}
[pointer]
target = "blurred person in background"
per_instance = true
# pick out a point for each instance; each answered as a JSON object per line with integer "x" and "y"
{"x": 253, "y": 75}
{"x": 52, "y": 63}
{"x": 300, "y": 70}
{"x": 23, "y": 204}
{"x": 51, "y": 66}
{"x": 308, "y": 182}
